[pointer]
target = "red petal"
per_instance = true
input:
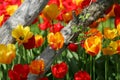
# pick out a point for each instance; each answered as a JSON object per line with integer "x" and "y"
{"x": 30, "y": 44}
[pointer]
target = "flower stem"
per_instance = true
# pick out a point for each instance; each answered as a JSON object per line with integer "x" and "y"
{"x": 117, "y": 68}
{"x": 93, "y": 68}
{"x": 106, "y": 67}
{"x": 117, "y": 72}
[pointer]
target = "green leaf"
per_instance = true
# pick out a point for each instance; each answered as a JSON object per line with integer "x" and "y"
{"x": 4, "y": 66}
{"x": 1, "y": 75}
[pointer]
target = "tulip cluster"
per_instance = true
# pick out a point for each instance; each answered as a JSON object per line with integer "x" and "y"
{"x": 7, "y": 8}
{"x": 20, "y": 72}
{"x": 53, "y": 18}
{"x": 93, "y": 45}
{"x": 25, "y": 36}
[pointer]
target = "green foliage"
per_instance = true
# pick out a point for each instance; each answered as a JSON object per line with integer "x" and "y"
{"x": 83, "y": 18}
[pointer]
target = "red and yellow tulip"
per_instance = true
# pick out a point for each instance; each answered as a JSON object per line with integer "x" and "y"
{"x": 38, "y": 40}
{"x": 92, "y": 45}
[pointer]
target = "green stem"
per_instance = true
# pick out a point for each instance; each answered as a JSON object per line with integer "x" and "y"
{"x": 83, "y": 56}
{"x": 117, "y": 67}
{"x": 117, "y": 72}
{"x": 106, "y": 67}
{"x": 93, "y": 68}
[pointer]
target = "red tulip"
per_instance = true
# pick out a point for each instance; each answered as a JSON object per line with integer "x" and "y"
{"x": 30, "y": 44}
{"x": 59, "y": 70}
{"x": 44, "y": 78}
{"x": 19, "y": 72}
{"x": 56, "y": 28}
{"x": 117, "y": 10}
{"x": 82, "y": 75}
{"x": 86, "y": 3}
{"x": 73, "y": 47}
{"x": 117, "y": 21}
{"x": 45, "y": 25}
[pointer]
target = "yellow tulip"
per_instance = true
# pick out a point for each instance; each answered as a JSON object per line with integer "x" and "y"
{"x": 7, "y": 53}
{"x": 111, "y": 48}
{"x": 22, "y": 35}
{"x": 110, "y": 33}
{"x": 51, "y": 11}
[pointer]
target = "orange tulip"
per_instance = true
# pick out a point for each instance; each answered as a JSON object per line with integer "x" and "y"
{"x": 56, "y": 40}
{"x": 37, "y": 66}
{"x": 67, "y": 16}
{"x": 92, "y": 45}
{"x": 95, "y": 32}
{"x": 110, "y": 33}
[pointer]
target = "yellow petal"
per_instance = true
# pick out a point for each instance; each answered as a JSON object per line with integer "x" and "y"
{"x": 22, "y": 35}
{"x": 111, "y": 49}
{"x": 110, "y": 33}
{"x": 7, "y": 53}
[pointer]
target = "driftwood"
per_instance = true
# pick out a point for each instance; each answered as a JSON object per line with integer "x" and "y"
{"x": 25, "y": 15}
{"x": 30, "y": 9}
{"x": 95, "y": 11}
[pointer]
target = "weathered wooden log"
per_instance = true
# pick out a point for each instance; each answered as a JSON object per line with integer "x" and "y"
{"x": 25, "y": 15}
{"x": 93, "y": 12}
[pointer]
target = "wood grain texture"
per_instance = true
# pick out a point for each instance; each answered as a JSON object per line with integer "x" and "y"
{"x": 25, "y": 15}
{"x": 95, "y": 11}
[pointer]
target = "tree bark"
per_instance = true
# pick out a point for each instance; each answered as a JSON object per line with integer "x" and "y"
{"x": 95, "y": 11}
{"x": 25, "y": 15}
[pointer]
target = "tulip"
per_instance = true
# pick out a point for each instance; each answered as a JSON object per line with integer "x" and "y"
{"x": 59, "y": 70}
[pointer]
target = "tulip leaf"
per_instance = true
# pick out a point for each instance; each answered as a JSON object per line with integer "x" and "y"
{"x": 1, "y": 75}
